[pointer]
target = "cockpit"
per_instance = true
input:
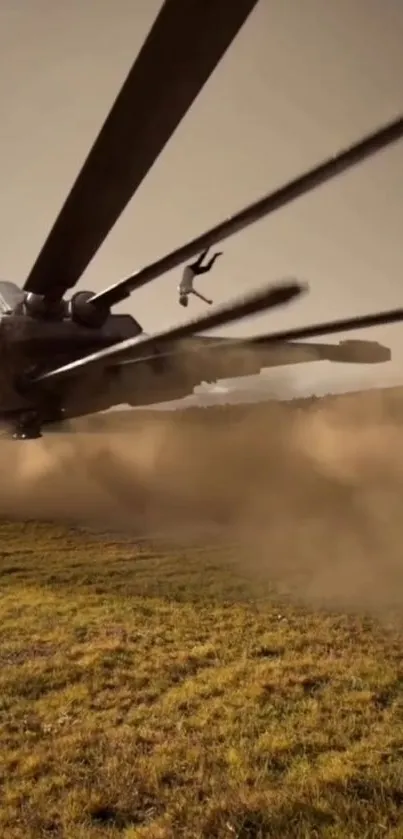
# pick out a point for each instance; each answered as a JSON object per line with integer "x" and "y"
{"x": 10, "y": 297}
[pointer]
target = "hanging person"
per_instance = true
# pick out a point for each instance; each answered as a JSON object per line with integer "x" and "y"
{"x": 190, "y": 272}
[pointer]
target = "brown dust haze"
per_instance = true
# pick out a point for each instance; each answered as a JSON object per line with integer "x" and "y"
{"x": 313, "y": 497}
{"x": 310, "y": 493}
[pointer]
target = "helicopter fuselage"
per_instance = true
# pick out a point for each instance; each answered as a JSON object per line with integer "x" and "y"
{"x": 31, "y": 345}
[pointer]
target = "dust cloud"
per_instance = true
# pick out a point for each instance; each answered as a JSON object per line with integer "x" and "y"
{"x": 311, "y": 494}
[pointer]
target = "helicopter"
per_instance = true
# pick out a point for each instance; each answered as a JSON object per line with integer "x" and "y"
{"x": 64, "y": 358}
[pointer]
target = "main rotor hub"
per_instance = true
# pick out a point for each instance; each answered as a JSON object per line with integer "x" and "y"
{"x": 79, "y": 309}
{"x": 44, "y": 308}
{"x": 84, "y": 312}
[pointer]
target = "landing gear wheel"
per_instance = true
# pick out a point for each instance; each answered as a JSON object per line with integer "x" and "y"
{"x": 28, "y": 427}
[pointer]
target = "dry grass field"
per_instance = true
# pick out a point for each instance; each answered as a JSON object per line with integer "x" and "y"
{"x": 242, "y": 687}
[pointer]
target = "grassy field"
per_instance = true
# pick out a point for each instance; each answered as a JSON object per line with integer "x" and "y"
{"x": 152, "y": 696}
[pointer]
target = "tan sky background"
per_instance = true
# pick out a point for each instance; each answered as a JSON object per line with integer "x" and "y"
{"x": 304, "y": 78}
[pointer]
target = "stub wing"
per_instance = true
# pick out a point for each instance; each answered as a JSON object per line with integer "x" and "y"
{"x": 202, "y": 359}
{"x": 226, "y": 358}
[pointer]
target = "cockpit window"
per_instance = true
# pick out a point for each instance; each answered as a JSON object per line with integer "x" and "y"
{"x": 10, "y": 296}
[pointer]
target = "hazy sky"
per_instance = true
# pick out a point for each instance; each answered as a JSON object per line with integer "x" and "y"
{"x": 304, "y": 78}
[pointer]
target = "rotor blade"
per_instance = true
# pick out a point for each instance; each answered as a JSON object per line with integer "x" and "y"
{"x": 186, "y": 42}
{"x": 331, "y": 327}
{"x": 332, "y": 167}
{"x": 268, "y": 297}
